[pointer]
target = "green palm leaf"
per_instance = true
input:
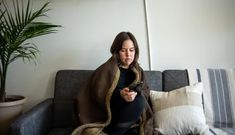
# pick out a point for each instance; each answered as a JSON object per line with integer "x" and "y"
{"x": 17, "y": 25}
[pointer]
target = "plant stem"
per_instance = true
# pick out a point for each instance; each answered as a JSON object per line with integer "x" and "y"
{"x": 3, "y": 80}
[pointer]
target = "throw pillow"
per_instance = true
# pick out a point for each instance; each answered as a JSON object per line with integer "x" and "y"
{"x": 179, "y": 111}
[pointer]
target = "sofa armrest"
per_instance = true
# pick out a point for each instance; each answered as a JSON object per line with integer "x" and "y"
{"x": 36, "y": 121}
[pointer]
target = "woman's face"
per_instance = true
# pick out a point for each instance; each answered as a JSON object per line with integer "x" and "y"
{"x": 127, "y": 53}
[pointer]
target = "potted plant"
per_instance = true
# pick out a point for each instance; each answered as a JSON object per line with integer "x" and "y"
{"x": 18, "y": 23}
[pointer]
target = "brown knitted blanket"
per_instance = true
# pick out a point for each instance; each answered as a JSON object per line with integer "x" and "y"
{"x": 93, "y": 101}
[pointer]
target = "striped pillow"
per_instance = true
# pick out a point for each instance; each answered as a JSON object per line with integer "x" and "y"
{"x": 218, "y": 95}
{"x": 179, "y": 111}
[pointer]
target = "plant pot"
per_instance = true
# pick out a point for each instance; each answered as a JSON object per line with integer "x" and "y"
{"x": 9, "y": 111}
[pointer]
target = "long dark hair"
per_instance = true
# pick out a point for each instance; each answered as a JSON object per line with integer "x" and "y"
{"x": 117, "y": 46}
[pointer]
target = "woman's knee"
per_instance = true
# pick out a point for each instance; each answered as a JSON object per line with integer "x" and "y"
{"x": 139, "y": 101}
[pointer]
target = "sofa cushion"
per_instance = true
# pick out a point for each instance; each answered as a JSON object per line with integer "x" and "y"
{"x": 154, "y": 80}
{"x": 179, "y": 111}
{"x": 173, "y": 79}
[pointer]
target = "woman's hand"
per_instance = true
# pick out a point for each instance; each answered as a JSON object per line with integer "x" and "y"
{"x": 128, "y": 95}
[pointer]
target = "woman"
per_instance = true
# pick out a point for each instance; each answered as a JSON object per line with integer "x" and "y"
{"x": 107, "y": 105}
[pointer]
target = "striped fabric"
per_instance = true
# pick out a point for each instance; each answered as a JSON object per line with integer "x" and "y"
{"x": 218, "y": 97}
{"x": 222, "y": 131}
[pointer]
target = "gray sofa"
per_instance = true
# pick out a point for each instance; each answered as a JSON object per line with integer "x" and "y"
{"x": 55, "y": 116}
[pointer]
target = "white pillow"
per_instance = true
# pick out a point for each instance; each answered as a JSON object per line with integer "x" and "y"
{"x": 179, "y": 111}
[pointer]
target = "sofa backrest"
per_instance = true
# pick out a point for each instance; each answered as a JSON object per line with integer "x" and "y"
{"x": 68, "y": 82}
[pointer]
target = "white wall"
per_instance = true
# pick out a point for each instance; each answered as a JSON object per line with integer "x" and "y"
{"x": 183, "y": 33}
{"x": 192, "y": 33}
